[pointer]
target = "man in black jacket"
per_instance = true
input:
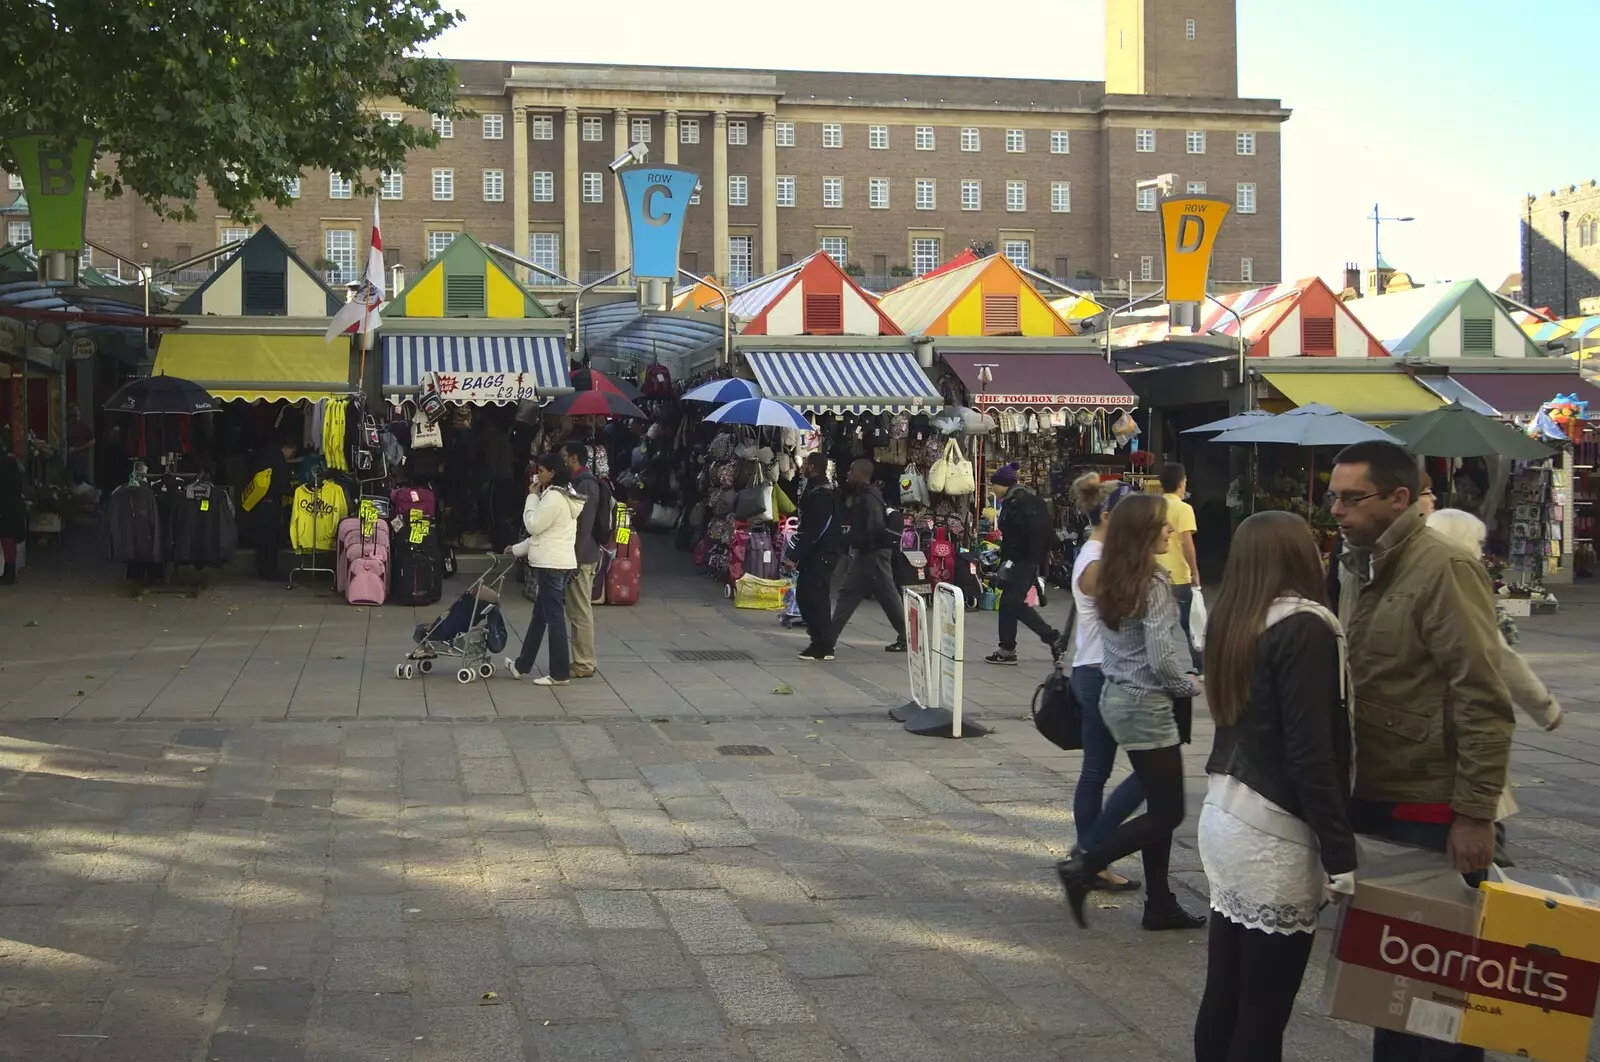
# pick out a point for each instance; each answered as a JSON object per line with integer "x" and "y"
{"x": 871, "y": 542}
{"x": 268, "y": 516}
{"x": 1026, "y": 535}
{"x": 816, "y": 553}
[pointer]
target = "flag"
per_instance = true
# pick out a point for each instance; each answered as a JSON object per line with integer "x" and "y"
{"x": 360, "y": 314}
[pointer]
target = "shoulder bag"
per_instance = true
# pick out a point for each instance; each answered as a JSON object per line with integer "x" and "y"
{"x": 1057, "y": 715}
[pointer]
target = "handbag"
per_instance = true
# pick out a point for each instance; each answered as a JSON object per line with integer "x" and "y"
{"x": 959, "y": 477}
{"x": 913, "y": 488}
{"x": 663, "y": 517}
{"x": 425, "y": 434}
{"x": 1057, "y": 715}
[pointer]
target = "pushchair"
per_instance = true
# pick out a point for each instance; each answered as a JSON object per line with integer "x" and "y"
{"x": 469, "y": 632}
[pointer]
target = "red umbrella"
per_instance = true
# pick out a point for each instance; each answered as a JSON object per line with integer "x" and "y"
{"x": 594, "y": 404}
{"x": 595, "y": 380}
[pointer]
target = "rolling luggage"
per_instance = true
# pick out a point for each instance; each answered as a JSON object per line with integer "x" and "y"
{"x": 417, "y": 563}
{"x": 622, "y": 579}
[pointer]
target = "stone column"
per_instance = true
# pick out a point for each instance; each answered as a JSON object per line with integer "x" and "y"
{"x": 669, "y": 133}
{"x": 719, "y": 195}
{"x": 519, "y": 187}
{"x": 571, "y": 193}
{"x": 769, "y": 193}
{"x": 619, "y": 209}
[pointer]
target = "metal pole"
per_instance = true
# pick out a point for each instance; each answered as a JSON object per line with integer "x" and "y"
{"x": 1566, "y": 262}
{"x": 1249, "y": 402}
{"x": 577, "y": 312}
{"x": 1527, "y": 242}
{"x": 727, "y": 313}
{"x": 515, "y": 259}
{"x": 1110, "y": 313}
{"x": 1377, "y": 255}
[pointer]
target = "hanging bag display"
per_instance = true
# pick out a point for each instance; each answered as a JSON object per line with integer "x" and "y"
{"x": 952, "y": 473}
{"x": 913, "y": 487}
{"x": 425, "y": 434}
{"x": 939, "y": 471}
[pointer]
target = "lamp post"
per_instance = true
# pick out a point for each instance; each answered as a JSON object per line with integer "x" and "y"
{"x": 1566, "y": 288}
{"x": 1377, "y": 256}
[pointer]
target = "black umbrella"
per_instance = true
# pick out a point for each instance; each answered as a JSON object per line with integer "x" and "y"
{"x": 156, "y": 395}
{"x": 594, "y": 404}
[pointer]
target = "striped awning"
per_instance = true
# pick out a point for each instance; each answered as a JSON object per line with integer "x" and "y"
{"x": 876, "y": 381}
{"x": 477, "y": 369}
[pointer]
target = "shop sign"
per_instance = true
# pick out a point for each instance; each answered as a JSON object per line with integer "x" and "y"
{"x": 1189, "y": 226}
{"x": 1054, "y": 400}
{"x": 82, "y": 348}
{"x": 485, "y": 387}
{"x": 55, "y": 175}
{"x": 918, "y": 653}
{"x": 950, "y": 626}
{"x": 657, "y": 198}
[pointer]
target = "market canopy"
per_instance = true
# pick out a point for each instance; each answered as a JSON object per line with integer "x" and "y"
{"x": 1042, "y": 381}
{"x": 1456, "y": 431}
{"x": 1368, "y": 395}
{"x": 1511, "y": 393}
{"x": 257, "y": 367}
{"x": 477, "y": 369}
{"x": 1310, "y": 425}
{"x": 877, "y": 381}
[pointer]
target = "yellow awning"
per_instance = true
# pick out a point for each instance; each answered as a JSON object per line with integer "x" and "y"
{"x": 1367, "y": 395}
{"x": 257, "y": 367}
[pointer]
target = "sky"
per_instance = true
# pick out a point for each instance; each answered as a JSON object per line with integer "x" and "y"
{"x": 1450, "y": 111}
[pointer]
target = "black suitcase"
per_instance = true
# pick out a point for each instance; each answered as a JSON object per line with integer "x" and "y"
{"x": 416, "y": 565}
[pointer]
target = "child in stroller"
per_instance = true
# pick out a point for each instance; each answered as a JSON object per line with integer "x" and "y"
{"x": 471, "y": 630}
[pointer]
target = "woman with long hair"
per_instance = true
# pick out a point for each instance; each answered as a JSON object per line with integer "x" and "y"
{"x": 550, "y": 516}
{"x": 1093, "y": 816}
{"x": 1146, "y": 664}
{"x": 1275, "y": 834}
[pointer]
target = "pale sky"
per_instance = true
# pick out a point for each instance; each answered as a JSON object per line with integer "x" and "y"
{"x": 1447, "y": 110}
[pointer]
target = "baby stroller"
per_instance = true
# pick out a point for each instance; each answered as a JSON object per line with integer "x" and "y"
{"x": 470, "y": 631}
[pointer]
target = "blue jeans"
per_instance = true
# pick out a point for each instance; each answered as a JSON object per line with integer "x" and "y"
{"x": 549, "y": 614}
{"x": 1094, "y": 817}
{"x": 1185, "y": 597}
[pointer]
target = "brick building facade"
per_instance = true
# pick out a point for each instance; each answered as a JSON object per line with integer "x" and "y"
{"x": 889, "y": 173}
{"x": 1551, "y": 277}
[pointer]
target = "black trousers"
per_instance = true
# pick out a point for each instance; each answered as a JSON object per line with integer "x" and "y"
{"x": 269, "y": 531}
{"x": 1014, "y": 609}
{"x": 1251, "y": 981}
{"x": 813, "y": 591}
{"x": 869, "y": 575}
{"x": 1160, "y": 771}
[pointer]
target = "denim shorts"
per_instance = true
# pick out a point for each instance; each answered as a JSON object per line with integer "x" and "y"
{"x": 1140, "y": 720}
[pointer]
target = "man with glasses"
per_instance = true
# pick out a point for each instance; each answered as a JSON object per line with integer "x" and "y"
{"x": 1433, "y": 717}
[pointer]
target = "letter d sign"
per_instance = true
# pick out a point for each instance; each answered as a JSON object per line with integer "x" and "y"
{"x": 1189, "y": 231}
{"x": 55, "y": 174}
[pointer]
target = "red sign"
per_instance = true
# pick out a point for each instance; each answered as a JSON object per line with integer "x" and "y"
{"x": 1056, "y": 401}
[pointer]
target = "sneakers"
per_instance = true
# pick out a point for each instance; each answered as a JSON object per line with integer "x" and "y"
{"x": 546, "y": 680}
{"x": 1001, "y": 656}
{"x": 813, "y": 653}
{"x": 896, "y": 647}
{"x": 510, "y": 665}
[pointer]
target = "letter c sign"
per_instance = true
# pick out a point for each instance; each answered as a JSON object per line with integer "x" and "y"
{"x": 652, "y": 215}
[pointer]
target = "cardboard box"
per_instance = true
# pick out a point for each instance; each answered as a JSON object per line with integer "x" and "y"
{"x": 1512, "y": 967}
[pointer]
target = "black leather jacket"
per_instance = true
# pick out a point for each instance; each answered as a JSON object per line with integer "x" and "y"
{"x": 1292, "y": 745}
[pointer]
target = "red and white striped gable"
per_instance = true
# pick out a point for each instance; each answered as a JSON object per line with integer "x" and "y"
{"x": 813, "y": 297}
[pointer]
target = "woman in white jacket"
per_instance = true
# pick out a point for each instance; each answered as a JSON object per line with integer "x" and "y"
{"x": 551, "y": 517}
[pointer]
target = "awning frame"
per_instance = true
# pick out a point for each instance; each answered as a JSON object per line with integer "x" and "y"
{"x": 542, "y": 392}
{"x": 903, "y": 363}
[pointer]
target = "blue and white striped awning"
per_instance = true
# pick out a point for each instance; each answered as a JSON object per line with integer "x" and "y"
{"x": 860, "y": 381}
{"x": 477, "y": 369}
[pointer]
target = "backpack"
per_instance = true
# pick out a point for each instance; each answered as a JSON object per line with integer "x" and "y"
{"x": 657, "y": 382}
{"x": 605, "y": 515}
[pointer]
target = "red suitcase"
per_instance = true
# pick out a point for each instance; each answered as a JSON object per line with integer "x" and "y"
{"x": 622, "y": 580}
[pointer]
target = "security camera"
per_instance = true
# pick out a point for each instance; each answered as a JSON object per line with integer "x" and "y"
{"x": 1163, "y": 184}
{"x": 637, "y": 154}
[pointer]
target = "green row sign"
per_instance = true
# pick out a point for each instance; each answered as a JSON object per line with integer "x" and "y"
{"x": 55, "y": 175}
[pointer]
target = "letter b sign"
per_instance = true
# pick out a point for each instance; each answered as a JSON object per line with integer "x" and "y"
{"x": 55, "y": 176}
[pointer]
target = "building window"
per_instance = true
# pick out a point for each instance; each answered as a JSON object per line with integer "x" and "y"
{"x": 1195, "y": 142}
{"x": 833, "y": 192}
{"x": 19, "y": 232}
{"x": 339, "y": 249}
{"x": 1060, "y": 142}
{"x": 293, "y": 186}
{"x": 1246, "y": 143}
{"x": 738, "y": 133}
{"x": 594, "y": 188}
{"x": 1247, "y": 270}
{"x": 1144, "y": 140}
{"x": 1016, "y": 141}
{"x": 838, "y": 249}
{"x": 1188, "y": 29}
{"x": 688, "y": 130}
{"x": 1196, "y": 188}
{"x": 786, "y": 188}
{"x": 232, "y": 235}
{"x": 594, "y": 129}
{"x": 392, "y": 186}
{"x": 494, "y": 186}
{"x": 14, "y": 181}
{"x": 445, "y": 127}
{"x": 878, "y": 193}
{"x": 1061, "y": 197}
{"x": 640, "y": 130}
{"x": 924, "y": 138}
{"x": 878, "y": 137}
{"x": 926, "y": 194}
{"x": 832, "y": 135}
{"x": 338, "y": 187}
{"x": 544, "y": 249}
{"x": 438, "y": 240}
{"x": 741, "y": 259}
{"x": 785, "y": 134}
{"x": 1588, "y": 231}
{"x": 494, "y": 127}
{"x": 1018, "y": 253}
{"x": 544, "y": 127}
{"x": 444, "y": 185}
{"x": 971, "y": 139}
{"x": 1245, "y": 198}
{"x": 1016, "y": 195}
{"x": 544, "y": 186}
{"x": 924, "y": 255}
{"x": 738, "y": 189}
{"x": 392, "y": 117}
{"x": 1146, "y": 199}
{"x": 971, "y": 195}
{"x": 1147, "y": 268}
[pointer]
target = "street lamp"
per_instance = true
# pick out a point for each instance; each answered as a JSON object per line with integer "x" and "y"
{"x": 1566, "y": 262}
{"x": 1377, "y": 258}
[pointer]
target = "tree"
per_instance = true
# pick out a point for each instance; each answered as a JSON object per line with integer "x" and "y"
{"x": 239, "y": 94}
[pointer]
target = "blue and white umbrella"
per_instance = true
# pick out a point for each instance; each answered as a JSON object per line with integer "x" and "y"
{"x": 720, "y": 391}
{"x": 760, "y": 413}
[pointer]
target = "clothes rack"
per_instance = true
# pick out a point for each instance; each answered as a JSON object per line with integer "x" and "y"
{"x": 315, "y": 483}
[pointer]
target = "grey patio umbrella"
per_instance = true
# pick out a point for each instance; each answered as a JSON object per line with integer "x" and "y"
{"x": 1239, "y": 420}
{"x": 1456, "y": 431}
{"x": 1310, "y": 425}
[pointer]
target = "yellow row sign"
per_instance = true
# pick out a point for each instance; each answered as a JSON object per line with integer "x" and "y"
{"x": 1189, "y": 226}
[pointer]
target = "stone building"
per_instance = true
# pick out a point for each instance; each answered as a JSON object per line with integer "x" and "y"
{"x": 1567, "y": 217}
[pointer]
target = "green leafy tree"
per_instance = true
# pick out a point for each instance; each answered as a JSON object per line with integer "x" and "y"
{"x": 241, "y": 95}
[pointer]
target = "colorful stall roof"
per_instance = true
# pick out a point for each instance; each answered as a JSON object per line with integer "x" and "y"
{"x": 986, "y": 297}
{"x": 1077, "y": 307}
{"x": 813, "y": 297}
{"x": 465, "y": 281}
{"x": 696, "y": 296}
{"x": 1299, "y": 319}
{"x": 263, "y": 278}
{"x": 1459, "y": 319}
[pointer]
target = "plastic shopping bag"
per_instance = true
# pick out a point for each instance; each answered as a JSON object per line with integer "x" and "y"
{"x": 1197, "y": 620}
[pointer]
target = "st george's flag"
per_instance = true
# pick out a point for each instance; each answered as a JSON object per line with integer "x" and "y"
{"x": 360, "y": 314}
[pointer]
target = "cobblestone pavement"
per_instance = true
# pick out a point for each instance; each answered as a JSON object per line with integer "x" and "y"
{"x": 227, "y": 832}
